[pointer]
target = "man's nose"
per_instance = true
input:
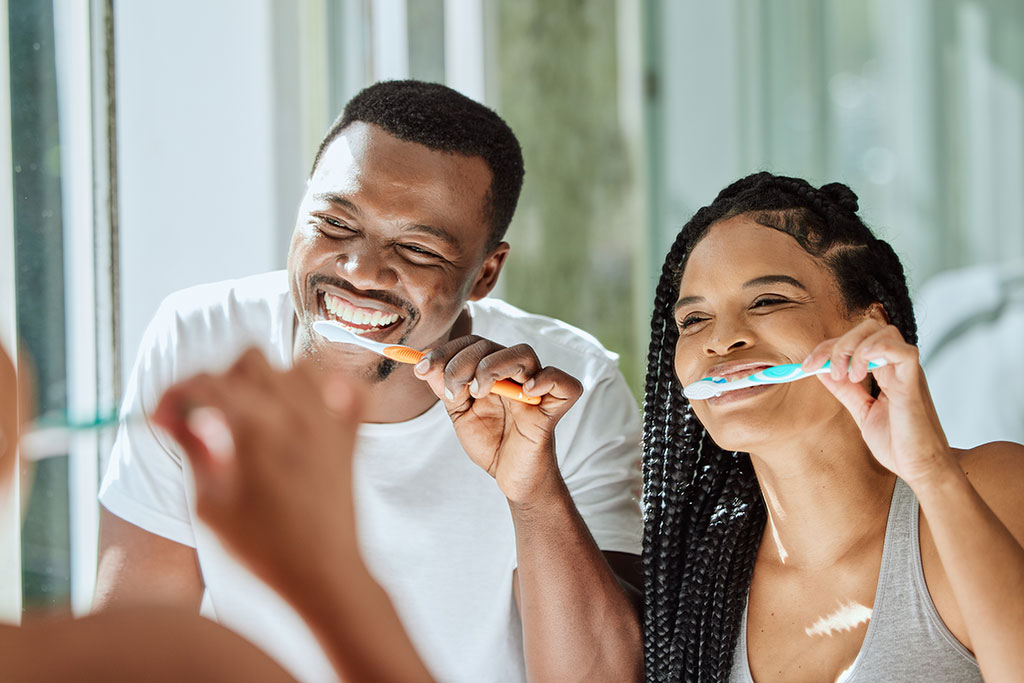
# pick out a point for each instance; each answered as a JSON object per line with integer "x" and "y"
{"x": 366, "y": 266}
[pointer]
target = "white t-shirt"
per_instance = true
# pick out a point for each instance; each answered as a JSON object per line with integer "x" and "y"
{"x": 434, "y": 528}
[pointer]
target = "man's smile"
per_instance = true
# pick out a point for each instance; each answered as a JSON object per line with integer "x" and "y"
{"x": 357, "y": 318}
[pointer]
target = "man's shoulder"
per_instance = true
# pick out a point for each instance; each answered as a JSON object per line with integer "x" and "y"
{"x": 230, "y": 296}
{"x": 555, "y": 341}
{"x": 228, "y": 315}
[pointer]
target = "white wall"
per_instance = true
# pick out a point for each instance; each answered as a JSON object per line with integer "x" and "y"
{"x": 212, "y": 117}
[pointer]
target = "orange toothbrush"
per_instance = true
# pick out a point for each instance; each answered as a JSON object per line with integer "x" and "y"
{"x": 338, "y": 333}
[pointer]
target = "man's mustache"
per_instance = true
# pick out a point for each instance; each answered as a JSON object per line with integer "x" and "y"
{"x": 381, "y": 295}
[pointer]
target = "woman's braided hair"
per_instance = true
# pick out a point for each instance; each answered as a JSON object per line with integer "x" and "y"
{"x": 703, "y": 511}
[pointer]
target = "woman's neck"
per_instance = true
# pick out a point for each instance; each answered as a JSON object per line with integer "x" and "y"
{"x": 826, "y": 497}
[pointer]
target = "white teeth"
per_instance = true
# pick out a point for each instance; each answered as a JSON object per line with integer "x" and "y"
{"x": 345, "y": 311}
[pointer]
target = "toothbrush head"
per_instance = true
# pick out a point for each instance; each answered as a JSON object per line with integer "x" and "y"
{"x": 703, "y": 389}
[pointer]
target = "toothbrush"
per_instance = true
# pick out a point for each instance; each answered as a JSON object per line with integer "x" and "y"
{"x": 51, "y": 436}
{"x": 335, "y": 332}
{"x": 710, "y": 387}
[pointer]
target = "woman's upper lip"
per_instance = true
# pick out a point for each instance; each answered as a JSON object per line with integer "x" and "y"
{"x": 737, "y": 369}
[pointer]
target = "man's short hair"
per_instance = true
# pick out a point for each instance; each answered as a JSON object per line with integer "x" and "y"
{"x": 444, "y": 120}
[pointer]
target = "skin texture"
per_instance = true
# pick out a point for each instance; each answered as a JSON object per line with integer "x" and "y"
{"x": 826, "y": 456}
{"x": 393, "y": 226}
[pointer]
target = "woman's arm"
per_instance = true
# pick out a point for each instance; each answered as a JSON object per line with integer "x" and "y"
{"x": 272, "y": 456}
{"x": 974, "y": 519}
{"x": 150, "y": 644}
{"x": 977, "y": 528}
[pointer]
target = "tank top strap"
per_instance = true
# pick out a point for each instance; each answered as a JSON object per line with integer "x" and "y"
{"x": 906, "y": 638}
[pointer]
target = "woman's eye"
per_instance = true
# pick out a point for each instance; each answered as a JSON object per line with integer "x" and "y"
{"x": 690, "y": 321}
{"x": 769, "y": 301}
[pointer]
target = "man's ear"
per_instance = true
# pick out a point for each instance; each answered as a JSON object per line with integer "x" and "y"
{"x": 877, "y": 311}
{"x": 487, "y": 277}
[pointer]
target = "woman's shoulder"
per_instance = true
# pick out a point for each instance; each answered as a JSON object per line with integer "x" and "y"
{"x": 996, "y": 471}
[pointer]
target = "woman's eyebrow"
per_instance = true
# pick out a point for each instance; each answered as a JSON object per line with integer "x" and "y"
{"x": 687, "y": 300}
{"x": 773, "y": 280}
{"x": 756, "y": 282}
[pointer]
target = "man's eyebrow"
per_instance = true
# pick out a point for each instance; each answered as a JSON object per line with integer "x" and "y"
{"x": 756, "y": 282}
{"x": 434, "y": 231}
{"x": 337, "y": 200}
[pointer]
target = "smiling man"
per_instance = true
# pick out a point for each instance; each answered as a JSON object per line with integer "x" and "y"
{"x": 399, "y": 238}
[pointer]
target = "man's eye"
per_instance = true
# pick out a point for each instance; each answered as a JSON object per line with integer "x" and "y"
{"x": 419, "y": 251}
{"x": 334, "y": 224}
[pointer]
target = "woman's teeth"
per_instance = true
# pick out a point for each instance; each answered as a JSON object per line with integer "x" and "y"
{"x": 346, "y": 312}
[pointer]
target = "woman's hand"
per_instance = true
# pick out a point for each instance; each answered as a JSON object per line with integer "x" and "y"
{"x": 8, "y": 416}
{"x": 272, "y": 456}
{"x": 511, "y": 441}
{"x": 900, "y": 426}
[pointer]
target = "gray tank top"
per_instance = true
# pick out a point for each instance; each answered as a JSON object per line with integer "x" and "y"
{"x": 906, "y": 639}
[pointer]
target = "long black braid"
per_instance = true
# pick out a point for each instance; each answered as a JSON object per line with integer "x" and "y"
{"x": 703, "y": 510}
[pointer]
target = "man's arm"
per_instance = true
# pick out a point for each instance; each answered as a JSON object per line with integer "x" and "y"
{"x": 579, "y": 623}
{"x": 137, "y": 567}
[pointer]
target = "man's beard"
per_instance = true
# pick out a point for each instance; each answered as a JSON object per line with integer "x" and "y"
{"x": 383, "y": 370}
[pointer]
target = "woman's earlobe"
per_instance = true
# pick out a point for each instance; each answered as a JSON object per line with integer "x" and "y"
{"x": 878, "y": 312}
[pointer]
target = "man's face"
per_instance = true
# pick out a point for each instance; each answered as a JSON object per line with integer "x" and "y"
{"x": 390, "y": 241}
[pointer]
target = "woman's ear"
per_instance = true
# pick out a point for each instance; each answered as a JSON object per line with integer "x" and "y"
{"x": 877, "y": 312}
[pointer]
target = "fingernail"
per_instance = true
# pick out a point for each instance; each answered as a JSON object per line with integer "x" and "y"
{"x": 474, "y": 387}
{"x": 449, "y": 395}
{"x": 422, "y": 366}
{"x": 528, "y": 385}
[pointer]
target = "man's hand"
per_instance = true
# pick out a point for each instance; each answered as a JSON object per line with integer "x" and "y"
{"x": 511, "y": 441}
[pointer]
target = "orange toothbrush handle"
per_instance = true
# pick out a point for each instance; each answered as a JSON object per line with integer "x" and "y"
{"x": 403, "y": 354}
{"x": 514, "y": 391}
{"x": 504, "y": 387}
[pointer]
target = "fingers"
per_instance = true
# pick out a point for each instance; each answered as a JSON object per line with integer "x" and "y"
{"x": 8, "y": 407}
{"x": 850, "y": 354}
{"x": 251, "y": 405}
{"x": 559, "y": 390}
{"x": 469, "y": 368}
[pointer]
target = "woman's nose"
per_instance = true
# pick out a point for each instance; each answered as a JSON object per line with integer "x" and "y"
{"x": 727, "y": 336}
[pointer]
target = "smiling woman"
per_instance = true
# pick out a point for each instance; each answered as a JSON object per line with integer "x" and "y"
{"x": 779, "y": 514}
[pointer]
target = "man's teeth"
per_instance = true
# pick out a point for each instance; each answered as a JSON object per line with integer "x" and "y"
{"x": 357, "y": 316}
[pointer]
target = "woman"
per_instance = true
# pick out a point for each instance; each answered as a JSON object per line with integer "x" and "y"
{"x": 782, "y": 536}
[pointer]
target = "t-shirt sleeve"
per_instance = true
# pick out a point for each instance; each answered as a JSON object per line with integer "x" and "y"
{"x": 144, "y": 483}
{"x": 599, "y": 456}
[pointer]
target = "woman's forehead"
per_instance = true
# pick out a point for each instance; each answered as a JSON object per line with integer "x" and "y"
{"x": 739, "y": 248}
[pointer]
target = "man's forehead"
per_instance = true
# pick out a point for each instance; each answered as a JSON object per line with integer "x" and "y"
{"x": 336, "y": 166}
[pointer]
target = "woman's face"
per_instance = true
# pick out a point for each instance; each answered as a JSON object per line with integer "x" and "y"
{"x": 751, "y": 297}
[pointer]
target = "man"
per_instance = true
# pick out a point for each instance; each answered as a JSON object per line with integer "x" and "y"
{"x": 399, "y": 237}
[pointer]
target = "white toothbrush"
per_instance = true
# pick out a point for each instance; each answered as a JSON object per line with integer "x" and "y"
{"x": 710, "y": 387}
{"x": 338, "y": 333}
